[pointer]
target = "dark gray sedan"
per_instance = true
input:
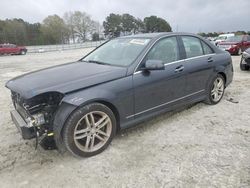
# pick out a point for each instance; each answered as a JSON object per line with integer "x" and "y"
{"x": 81, "y": 105}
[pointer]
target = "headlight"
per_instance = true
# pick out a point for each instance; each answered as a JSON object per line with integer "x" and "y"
{"x": 233, "y": 46}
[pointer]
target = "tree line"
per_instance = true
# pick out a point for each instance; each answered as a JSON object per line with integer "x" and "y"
{"x": 76, "y": 27}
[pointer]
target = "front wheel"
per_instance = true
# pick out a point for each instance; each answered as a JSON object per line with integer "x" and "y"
{"x": 215, "y": 90}
{"x": 89, "y": 130}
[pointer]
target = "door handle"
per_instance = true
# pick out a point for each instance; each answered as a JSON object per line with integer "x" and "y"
{"x": 210, "y": 59}
{"x": 179, "y": 68}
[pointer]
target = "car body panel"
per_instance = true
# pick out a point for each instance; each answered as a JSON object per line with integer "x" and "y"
{"x": 158, "y": 87}
{"x": 64, "y": 78}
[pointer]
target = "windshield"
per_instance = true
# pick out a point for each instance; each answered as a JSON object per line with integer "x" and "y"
{"x": 119, "y": 52}
{"x": 221, "y": 38}
{"x": 234, "y": 39}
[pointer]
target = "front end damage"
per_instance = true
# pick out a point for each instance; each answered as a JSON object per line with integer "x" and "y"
{"x": 34, "y": 117}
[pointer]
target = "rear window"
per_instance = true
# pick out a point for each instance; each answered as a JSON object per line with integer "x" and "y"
{"x": 206, "y": 48}
{"x": 192, "y": 46}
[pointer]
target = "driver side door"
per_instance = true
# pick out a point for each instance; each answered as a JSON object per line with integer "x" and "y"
{"x": 159, "y": 89}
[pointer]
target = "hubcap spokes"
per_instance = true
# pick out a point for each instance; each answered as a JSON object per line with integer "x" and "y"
{"x": 92, "y": 131}
{"x": 218, "y": 89}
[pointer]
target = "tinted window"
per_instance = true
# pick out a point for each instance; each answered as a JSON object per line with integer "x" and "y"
{"x": 192, "y": 46}
{"x": 165, "y": 50}
{"x": 206, "y": 48}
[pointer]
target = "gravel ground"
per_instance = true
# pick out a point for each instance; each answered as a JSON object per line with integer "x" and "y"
{"x": 200, "y": 146}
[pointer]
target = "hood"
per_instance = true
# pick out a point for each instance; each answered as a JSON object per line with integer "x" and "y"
{"x": 64, "y": 78}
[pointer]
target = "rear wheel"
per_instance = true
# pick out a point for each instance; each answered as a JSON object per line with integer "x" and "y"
{"x": 215, "y": 90}
{"x": 89, "y": 130}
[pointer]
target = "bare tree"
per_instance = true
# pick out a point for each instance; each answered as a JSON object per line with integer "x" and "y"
{"x": 68, "y": 18}
{"x": 80, "y": 24}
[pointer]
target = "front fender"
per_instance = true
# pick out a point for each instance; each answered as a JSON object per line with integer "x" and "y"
{"x": 118, "y": 95}
{"x": 71, "y": 102}
{"x": 85, "y": 96}
{"x": 61, "y": 115}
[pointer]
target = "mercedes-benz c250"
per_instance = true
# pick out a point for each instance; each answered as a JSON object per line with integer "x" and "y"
{"x": 81, "y": 105}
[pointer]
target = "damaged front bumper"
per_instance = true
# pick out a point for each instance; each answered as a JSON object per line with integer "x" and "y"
{"x": 29, "y": 132}
{"x": 26, "y": 131}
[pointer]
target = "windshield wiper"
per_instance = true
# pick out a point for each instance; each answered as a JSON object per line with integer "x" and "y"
{"x": 98, "y": 62}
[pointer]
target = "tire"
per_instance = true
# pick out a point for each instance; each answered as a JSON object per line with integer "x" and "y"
{"x": 243, "y": 67}
{"x": 215, "y": 87}
{"x": 22, "y": 52}
{"x": 84, "y": 138}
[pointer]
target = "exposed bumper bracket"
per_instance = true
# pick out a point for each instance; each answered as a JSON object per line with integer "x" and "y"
{"x": 26, "y": 132}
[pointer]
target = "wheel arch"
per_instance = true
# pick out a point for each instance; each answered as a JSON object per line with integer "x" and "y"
{"x": 224, "y": 76}
{"x": 113, "y": 108}
{"x": 66, "y": 109}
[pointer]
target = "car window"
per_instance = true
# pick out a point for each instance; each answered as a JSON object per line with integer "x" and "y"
{"x": 165, "y": 50}
{"x": 118, "y": 52}
{"x": 192, "y": 46}
{"x": 206, "y": 48}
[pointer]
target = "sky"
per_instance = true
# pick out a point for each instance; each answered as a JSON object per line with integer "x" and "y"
{"x": 183, "y": 15}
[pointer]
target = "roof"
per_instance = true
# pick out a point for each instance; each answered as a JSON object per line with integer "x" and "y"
{"x": 155, "y": 35}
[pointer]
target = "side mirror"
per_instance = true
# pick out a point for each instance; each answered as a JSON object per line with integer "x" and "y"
{"x": 154, "y": 65}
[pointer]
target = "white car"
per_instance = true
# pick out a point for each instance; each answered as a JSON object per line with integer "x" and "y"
{"x": 222, "y": 38}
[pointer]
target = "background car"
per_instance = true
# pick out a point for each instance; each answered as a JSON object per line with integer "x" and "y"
{"x": 222, "y": 38}
{"x": 12, "y": 49}
{"x": 245, "y": 60}
{"x": 235, "y": 45}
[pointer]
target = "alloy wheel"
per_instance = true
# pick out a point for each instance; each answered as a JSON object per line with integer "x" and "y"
{"x": 92, "y": 131}
{"x": 218, "y": 89}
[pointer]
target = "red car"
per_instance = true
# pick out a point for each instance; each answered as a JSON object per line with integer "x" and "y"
{"x": 12, "y": 49}
{"x": 235, "y": 45}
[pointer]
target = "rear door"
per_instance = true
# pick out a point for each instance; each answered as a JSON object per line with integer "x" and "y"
{"x": 199, "y": 64}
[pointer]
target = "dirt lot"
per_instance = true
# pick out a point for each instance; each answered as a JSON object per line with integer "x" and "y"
{"x": 202, "y": 146}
